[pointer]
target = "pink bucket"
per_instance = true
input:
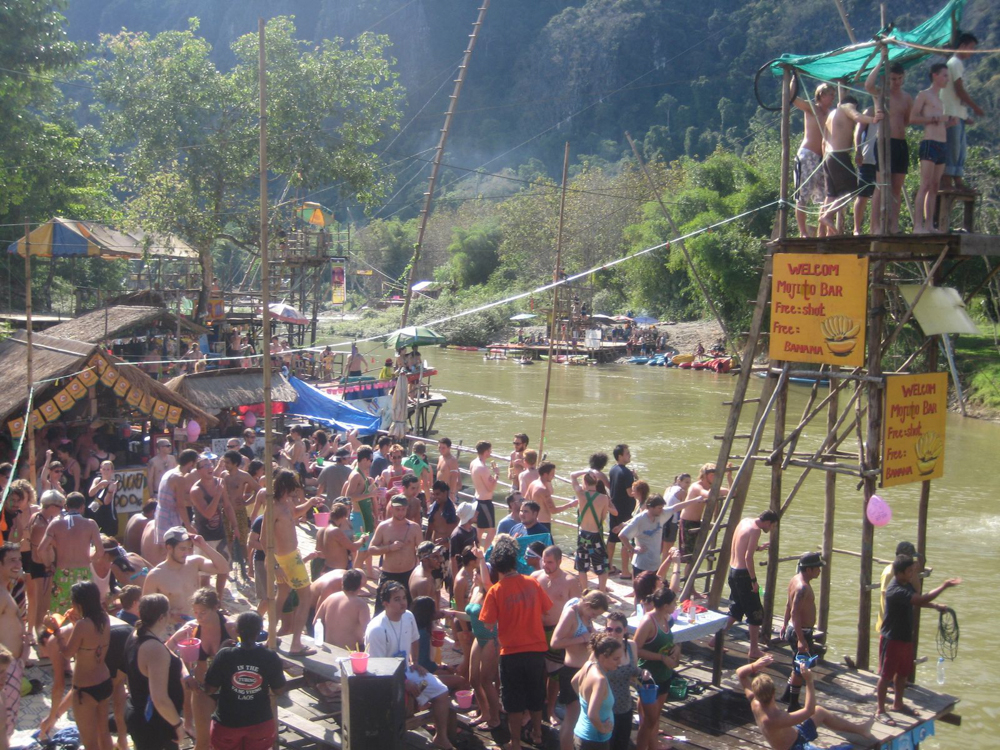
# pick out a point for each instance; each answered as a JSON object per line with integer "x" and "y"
{"x": 321, "y": 519}
{"x": 189, "y": 649}
{"x": 359, "y": 662}
{"x": 463, "y": 698}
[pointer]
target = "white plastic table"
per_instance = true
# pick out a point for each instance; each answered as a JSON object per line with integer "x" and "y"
{"x": 707, "y": 623}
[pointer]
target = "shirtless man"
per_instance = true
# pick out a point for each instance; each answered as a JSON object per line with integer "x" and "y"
{"x": 427, "y": 577}
{"x": 210, "y": 501}
{"x": 838, "y": 167}
{"x": 159, "y": 465}
{"x": 530, "y": 473}
{"x": 808, "y": 174}
{"x": 13, "y": 637}
{"x": 447, "y": 468}
{"x": 41, "y": 567}
{"x": 789, "y": 730}
{"x": 928, "y": 110}
{"x": 484, "y": 479}
{"x": 691, "y": 516}
{"x": 345, "y": 614}
{"x": 410, "y": 489}
{"x": 900, "y": 104}
{"x": 396, "y": 539}
{"x": 336, "y": 543}
{"x": 540, "y": 491}
{"x": 355, "y": 362}
{"x": 360, "y": 490}
{"x": 240, "y": 489}
{"x": 179, "y": 576}
{"x": 172, "y": 497}
{"x": 442, "y": 516}
{"x": 292, "y": 573}
{"x": 516, "y": 465}
{"x": 800, "y": 619}
{"x": 561, "y": 587}
{"x": 137, "y": 525}
{"x": 72, "y": 543}
{"x": 744, "y": 593}
{"x": 591, "y": 552}
{"x": 293, "y": 455}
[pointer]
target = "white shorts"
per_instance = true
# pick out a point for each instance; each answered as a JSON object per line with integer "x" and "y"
{"x": 434, "y": 686}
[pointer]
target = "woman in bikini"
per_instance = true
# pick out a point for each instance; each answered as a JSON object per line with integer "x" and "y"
{"x": 214, "y": 631}
{"x": 573, "y": 631}
{"x": 468, "y": 563}
{"x": 660, "y": 656}
{"x": 88, "y": 642}
{"x": 484, "y": 664}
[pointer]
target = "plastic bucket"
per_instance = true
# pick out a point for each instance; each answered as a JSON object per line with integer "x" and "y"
{"x": 437, "y": 638}
{"x": 463, "y": 698}
{"x": 678, "y": 689}
{"x": 359, "y": 662}
{"x": 321, "y": 519}
{"x": 647, "y": 694}
{"x": 188, "y": 649}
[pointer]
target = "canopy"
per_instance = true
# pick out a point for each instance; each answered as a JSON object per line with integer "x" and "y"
{"x": 287, "y": 314}
{"x": 321, "y": 407}
{"x": 413, "y": 336}
{"x": 844, "y": 63}
{"x": 523, "y": 316}
{"x": 311, "y": 213}
{"x": 65, "y": 238}
{"x": 602, "y": 318}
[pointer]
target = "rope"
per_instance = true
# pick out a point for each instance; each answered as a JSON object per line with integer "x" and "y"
{"x": 948, "y": 633}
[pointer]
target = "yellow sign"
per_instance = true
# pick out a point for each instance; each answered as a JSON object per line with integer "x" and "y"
{"x": 916, "y": 409}
{"x": 819, "y": 306}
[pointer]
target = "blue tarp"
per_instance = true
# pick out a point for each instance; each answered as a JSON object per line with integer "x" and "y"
{"x": 322, "y": 407}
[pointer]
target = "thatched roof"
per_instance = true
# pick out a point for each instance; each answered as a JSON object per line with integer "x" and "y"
{"x": 215, "y": 390}
{"x": 54, "y": 357}
{"x": 115, "y": 322}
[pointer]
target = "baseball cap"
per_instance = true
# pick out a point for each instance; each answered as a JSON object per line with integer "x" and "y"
{"x": 342, "y": 453}
{"x": 907, "y": 548}
{"x": 811, "y": 560}
{"x": 52, "y": 497}
{"x": 399, "y": 500}
{"x": 425, "y": 549}
{"x": 175, "y": 535}
{"x": 466, "y": 512}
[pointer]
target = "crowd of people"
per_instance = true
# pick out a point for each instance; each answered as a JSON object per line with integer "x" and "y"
{"x": 137, "y": 628}
{"x": 838, "y": 160}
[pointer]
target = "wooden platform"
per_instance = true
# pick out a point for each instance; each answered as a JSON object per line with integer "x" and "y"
{"x": 899, "y": 246}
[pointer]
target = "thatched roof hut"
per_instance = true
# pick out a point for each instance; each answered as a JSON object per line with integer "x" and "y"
{"x": 59, "y": 358}
{"x": 215, "y": 390}
{"x": 117, "y": 321}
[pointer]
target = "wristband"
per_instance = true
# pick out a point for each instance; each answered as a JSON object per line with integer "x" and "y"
{"x": 178, "y": 724}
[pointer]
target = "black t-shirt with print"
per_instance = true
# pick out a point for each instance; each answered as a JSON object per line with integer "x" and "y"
{"x": 898, "y": 622}
{"x": 245, "y": 678}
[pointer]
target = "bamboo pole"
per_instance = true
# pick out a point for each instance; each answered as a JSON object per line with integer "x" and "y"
{"x": 847, "y": 24}
{"x": 829, "y": 517}
{"x": 773, "y": 548}
{"x": 265, "y": 292}
{"x": 730, "y": 342}
{"x": 438, "y": 156}
{"x": 786, "y": 151}
{"x": 872, "y": 457}
{"x": 29, "y": 360}
{"x": 883, "y": 144}
{"x": 554, "y": 318}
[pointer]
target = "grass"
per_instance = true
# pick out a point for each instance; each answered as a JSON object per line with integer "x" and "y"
{"x": 978, "y": 361}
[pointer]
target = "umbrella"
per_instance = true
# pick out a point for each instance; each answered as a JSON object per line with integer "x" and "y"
{"x": 413, "y": 336}
{"x": 524, "y": 316}
{"x": 645, "y": 320}
{"x": 287, "y": 314}
{"x": 622, "y": 319}
{"x": 601, "y": 318}
{"x": 400, "y": 408}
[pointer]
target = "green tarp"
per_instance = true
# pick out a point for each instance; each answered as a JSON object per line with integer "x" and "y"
{"x": 844, "y": 63}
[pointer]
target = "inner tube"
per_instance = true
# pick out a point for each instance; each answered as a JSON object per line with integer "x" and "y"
{"x": 756, "y": 87}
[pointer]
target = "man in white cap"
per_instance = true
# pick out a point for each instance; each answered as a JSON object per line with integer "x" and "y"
{"x": 52, "y": 503}
{"x": 463, "y": 536}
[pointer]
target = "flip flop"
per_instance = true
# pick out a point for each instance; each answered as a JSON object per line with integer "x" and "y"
{"x": 884, "y": 718}
{"x": 306, "y": 651}
{"x": 906, "y": 711}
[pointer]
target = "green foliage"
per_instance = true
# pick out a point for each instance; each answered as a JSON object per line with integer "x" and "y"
{"x": 473, "y": 256}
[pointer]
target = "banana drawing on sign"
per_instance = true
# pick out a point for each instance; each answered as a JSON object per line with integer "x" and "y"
{"x": 916, "y": 410}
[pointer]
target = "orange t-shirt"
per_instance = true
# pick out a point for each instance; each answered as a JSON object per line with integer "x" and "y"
{"x": 516, "y": 604}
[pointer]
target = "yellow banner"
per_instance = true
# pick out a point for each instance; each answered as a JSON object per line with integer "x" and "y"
{"x": 818, "y": 308}
{"x": 338, "y": 279}
{"x": 916, "y": 409}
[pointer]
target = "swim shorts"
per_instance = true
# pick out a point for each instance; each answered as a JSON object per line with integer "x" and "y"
{"x": 895, "y": 658}
{"x": 670, "y": 530}
{"x": 793, "y": 640}
{"x": 807, "y": 733}
{"x": 567, "y": 694}
{"x": 743, "y": 600}
{"x": 689, "y": 537}
{"x": 840, "y": 176}
{"x": 867, "y": 174}
{"x": 522, "y": 682}
{"x": 294, "y": 569}
{"x": 554, "y": 657}
{"x": 899, "y": 156}
{"x": 62, "y": 582}
{"x": 486, "y": 517}
{"x": 591, "y": 553}
{"x": 10, "y": 689}
{"x": 934, "y": 151}
{"x": 808, "y": 177}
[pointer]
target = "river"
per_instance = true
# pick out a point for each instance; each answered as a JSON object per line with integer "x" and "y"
{"x": 669, "y": 416}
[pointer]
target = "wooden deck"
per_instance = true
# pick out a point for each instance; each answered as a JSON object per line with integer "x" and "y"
{"x": 899, "y": 246}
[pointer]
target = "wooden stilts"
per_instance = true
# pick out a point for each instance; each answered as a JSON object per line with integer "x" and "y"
{"x": 872, "y": 457}
{"x": 554, "y": 318}
{"x": 829, "y": 519}
{"x": 29, "y": 361}
{"x": 883, "y": 145}
{"x": 774, "y": 543}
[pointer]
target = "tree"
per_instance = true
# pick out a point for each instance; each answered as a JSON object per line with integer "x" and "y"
{"x": 473, "y": 255}
{"x": 188, "y": 131}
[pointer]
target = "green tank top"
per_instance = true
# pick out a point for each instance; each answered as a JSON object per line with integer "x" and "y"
{"x": 662, "y": 642}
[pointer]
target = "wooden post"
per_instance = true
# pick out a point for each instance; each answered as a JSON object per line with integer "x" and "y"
{"x": 438, "y": 155}
{"x": 265, "y": 292}
{"x": 871, "y": 459}
{"x": 773, "y": 549}
{"x": 847, "y": 24}
{"x": 786, "y": 150}
{"x": 829, "y": 518}
{"x": 29, "y": 360}
{"x": 883, "y": 145}
{"x": 554, "y": 319}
